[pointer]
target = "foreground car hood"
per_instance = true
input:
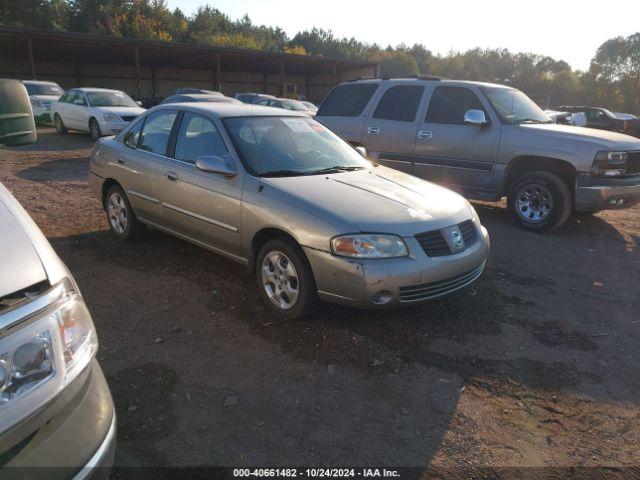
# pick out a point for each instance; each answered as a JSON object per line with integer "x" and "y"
{"x": 25, "y": 254}
{"x": 379, "y": 200}
{"x": 127, "y": 111}
{"x": 605, "y": 138}
{"x": 21, "y": 265}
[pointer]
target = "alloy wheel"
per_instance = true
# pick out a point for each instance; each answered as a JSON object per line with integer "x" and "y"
{"x": 117, "y": 209}
{"x": 534, "y": 203}
{"x": 280, "y": 280}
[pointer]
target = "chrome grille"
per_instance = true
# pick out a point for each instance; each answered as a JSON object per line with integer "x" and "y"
{"x": 426, "y": 291}
{"x": 434, "y": 244}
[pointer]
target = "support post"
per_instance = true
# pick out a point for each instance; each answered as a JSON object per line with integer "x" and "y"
{"x": 31, "y": 59}
{"x": 219, "y": 72}
{"x": 154, "y": 83}
{"x": 336, "y": 79}
{"x": 306, "y": 87}
{"x": 265, "y": 87}
{"x": 282, "y": 88}
{"x": 77, "y": 73}
{"x": 138, "y": 85}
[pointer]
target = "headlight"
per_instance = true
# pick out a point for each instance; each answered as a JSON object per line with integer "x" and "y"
{"x": 111, "y": 117}
{"x": 39, "y": 360}
{"x": 36, "y": 103}
{"x": 369, "y": 245}
{"x": 609, "y": 164}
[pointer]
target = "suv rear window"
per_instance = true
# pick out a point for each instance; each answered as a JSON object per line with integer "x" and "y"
{"x": 347, "y": 100}
{"x": 400, "y": 103}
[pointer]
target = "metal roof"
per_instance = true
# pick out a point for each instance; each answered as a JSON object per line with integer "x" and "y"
{"x": 107, "y": 49}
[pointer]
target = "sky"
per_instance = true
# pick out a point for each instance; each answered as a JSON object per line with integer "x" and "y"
{"x": 569, "y": 30}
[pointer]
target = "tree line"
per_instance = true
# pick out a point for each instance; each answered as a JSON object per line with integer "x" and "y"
{"x": 612, "y": 80}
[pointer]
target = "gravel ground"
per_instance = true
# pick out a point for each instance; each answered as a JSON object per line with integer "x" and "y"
{"x": 537, "y": 364}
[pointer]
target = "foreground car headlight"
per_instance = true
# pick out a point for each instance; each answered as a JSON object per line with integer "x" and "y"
{"x": 36, "y": 103}
{"x": 369, "y": 245}
{"x": 609, "y": 164}
{"x": 39, "y": 360}
{"x": 111, "y": 117}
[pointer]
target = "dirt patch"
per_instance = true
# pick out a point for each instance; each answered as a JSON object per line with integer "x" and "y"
{"x": 534, "y": 365}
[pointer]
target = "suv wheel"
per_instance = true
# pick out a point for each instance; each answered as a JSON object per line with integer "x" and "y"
{"x": 539, "y": 201}
{"x": 60, "y": 128}
{"x": 94, "y": 129}
{"x": 122, "y": 221}
{"x": 285, "y": 279}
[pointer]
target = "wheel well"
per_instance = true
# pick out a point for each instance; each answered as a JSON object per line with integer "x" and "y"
{"x": 262, "y": 237}
{"x": 106, "y": 185}
{"x": 524, "y": 164}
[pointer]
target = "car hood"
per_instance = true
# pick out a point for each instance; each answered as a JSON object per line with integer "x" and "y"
{"x": 21, "y": 264}
{"x": 25, "y": 254}
{"x": 45, "y": 98}
{"x": 127, "y": 111}
{"x": 377, "y": 200}
{"x": 603, "y": 138}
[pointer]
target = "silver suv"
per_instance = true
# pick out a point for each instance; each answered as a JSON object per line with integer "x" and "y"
{"x": 487, "y": 141}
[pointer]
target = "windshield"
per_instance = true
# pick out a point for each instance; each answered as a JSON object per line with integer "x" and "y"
{"x": 515, "y": 107}
{"x": 287, "y": 146}
{"x": 293, "y": 105}
{"x": 43, "y": 89}
{"x": 110, "y": 99}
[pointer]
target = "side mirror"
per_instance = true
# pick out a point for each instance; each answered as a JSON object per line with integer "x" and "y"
{"x": 139, "y": 103}
{"x": 216, "y": 164}
{"x": 17, "y": 125}
{"x": 475, "y": 117}
{"x": 78, "y": 101}
{"x": 362, "y": 151}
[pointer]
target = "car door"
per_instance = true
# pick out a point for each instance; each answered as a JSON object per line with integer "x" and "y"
{"x": 597, "y": 118}
{"x": 451, "y": 152}
{"x": 203, "y": 206}
{"x": 141, "y": 162}
{"x": 77, "y": 112}
{"x": 390, "y": 131}
{"x": 61, "y": 107}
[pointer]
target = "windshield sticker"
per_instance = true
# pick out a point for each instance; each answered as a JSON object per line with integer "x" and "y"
{"x": 297, "y": 125}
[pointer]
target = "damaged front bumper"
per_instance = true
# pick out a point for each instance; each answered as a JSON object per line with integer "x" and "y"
{"x": 379, "y": 283}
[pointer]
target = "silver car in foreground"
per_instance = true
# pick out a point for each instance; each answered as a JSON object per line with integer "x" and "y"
{"x": 56, "y": 411}
{"x": 280, "y": 193}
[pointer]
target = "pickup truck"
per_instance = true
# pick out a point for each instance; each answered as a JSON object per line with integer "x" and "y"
{"x": 487, "y": 141}
{"x": 603, "y": 119}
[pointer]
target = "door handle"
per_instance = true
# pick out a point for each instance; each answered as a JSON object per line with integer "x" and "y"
{"x": 374, "y": 131}
{"x": 121, "y": 160}
{"x": 172, "y": 176}
{"x": 425, "y": 134}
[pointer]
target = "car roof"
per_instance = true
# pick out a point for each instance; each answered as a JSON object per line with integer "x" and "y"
{"x": 423, "y": 80}
{"x": 225, "y": 110}
{"x": 95, "y": 89}
{"x": 38, "y": 82}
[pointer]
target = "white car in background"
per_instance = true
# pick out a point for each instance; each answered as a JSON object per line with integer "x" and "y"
{"x": 42, "y": 95}
{"x": 98, "y": 111}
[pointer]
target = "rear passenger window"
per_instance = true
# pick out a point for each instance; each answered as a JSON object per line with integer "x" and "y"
{"x": 449, "y": 104}
{"x": 400, "y": 103}
{"x": 198, "y": 136}
{"x": 155, "y": 133}
{"x": 347, "y": 100}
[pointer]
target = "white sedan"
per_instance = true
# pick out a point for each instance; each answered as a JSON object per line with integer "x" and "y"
{"x": 95, "y": 110}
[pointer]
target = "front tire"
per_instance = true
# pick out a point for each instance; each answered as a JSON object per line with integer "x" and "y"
{"x": 285, "y": 280}
{"x": 59, "y": 124}
{"x": 94, "y": 129}
{"x": 539, "y": 201}
{"x": 120, "y": 216}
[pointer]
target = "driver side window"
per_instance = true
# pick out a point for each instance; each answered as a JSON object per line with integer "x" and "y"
{"x": 197, "y": 137}
{"x": 449, "y": 105}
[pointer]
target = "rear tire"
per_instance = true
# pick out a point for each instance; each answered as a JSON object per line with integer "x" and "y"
{"x": 120, "y": 216}
{"x": 285, "y": 280}
{"x": 94, "y": 129}
{"x": 539, "y": 201}
{"x": 59, "y": 124}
